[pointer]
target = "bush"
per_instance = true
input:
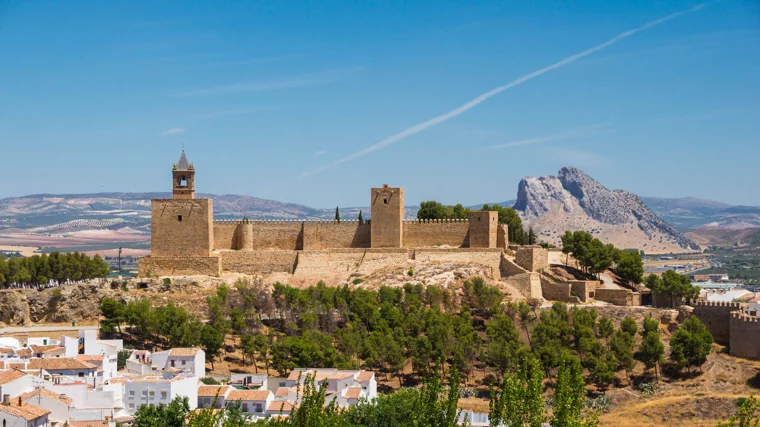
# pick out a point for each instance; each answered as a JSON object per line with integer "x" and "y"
{"x": 357, "y": 281}
{"x": 601, "y": 403}
{"x": 648, "y": 388}
{"x": 57, "y": 293}
{"x": 209, "y": 381}
{"x": 167, "y": 281}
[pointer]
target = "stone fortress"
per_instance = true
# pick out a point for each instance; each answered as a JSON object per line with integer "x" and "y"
{"x": 186, "y": 240}
{"x": 733, "y": 324}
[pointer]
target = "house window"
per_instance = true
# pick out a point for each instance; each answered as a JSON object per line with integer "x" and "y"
{"x": 145, "y": 393}
{"x": 152, "y": 394}
{"x": 131, "y": 393}
{"x": 245, "y": 407}
{"x": 172, "y": 363}
{"x": 259, "y": 407}
{"x": 81, "y": 374}
{"x": 184, "y": 362}
{"x": 163, "y": 395}
{"x": 179, "y": 218}
{"x": 131, "y": 406}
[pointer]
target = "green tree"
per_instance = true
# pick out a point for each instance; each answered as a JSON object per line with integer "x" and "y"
{"x": 171, "y": 415}
{"x": 630, "y": 267}
{"x": 621, "y": 344}
{"x": 628, "y": 325}
{"x": 121, "y": 359}
{"x": 337, "y": 214}
{"x": 519, "y": 401}
{"x": 361, "y": 219}
{"x": 690, "y": 344}
{"x": 503, "y": 342}
{"x": 212, "y": 341}
{"x": 570, "y": 395}
{"x": 605, "y": 328}
{"x": 651, "y": 351}
{"x": 674, "y": 287}
{"x": 747, "y": 415}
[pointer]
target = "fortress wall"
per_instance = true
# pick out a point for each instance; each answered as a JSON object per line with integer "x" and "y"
{"x": 744, "y": 331}
{"x": 557, "y": 291}
{"x": 584, "y": 289}
{"x": 502, "y": 236}
{"x": 509, "y": 268}
{"x": 258, "y": 261}
{"x": 179, "y": 266}
{"x": 330, "y": 234}
{"x": 529, "y": 284}
{"x": 277, "y": 234}
{"x": 532, "y": 258}
{"x": 717, "y": 317}
{"x": 622, "y": 297}
{"x": 225, "y": 235}
{"x": 487, "y": 257}
{"x": 427, "y": 233}
{"x": 329, "y": 261}
{"x": 384, "y": 258}
{"x": 181, "y": 227}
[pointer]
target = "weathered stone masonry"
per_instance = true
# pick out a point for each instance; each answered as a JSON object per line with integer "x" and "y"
{"x": 183, "y": 230}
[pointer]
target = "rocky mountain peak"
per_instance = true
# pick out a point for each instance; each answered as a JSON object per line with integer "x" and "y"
{"x": 573, "y": 200}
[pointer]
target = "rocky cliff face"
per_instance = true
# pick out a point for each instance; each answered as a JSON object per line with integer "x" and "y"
{"x": 572, "y": 200}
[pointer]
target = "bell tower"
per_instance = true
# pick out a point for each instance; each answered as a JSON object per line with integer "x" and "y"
{"x": 183, "y": 179}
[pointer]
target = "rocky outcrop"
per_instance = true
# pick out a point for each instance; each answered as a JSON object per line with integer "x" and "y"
{"x": 573, "y": 200}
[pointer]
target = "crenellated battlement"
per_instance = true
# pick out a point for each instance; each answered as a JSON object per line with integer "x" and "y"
{"x": 284, "y": 221}
{"x": 435, "y": 221}
{"x": 718, "y": 304}
{"x": 737, "y": 315}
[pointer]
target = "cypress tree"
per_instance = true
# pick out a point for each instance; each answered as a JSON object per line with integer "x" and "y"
{"x": 361, "y": 220}
{"x": 337, "y": 214}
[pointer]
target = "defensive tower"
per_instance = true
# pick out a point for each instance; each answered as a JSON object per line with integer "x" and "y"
{"x": 183, "y": 179}
{"x": 387, "y": 222}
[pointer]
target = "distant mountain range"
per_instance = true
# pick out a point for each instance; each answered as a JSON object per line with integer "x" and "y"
{"x": 705, "y": 221}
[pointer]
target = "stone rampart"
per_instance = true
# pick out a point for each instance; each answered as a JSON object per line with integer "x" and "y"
{"x": 557, "y": 291}
{"x": 277, "y": 234}
{"x": 225, "y": 234}
{"x": 259, "y": 261}
{"x": 502, "y": 236}
{"x": 181, "y": 227}
{"x": 621, "y": 297}
{"x": 487, "y": 257}
{"x": 377, "y": 259}
{"x": 532, "y": 258}
{"x": 179, "y": 266}
{"x": 529, "y": 284}
{"x": 585, "y": 290}
{"x": 429, "y": 233}
{"x": 744, "y": 332}
{"x": 509, "y": 268}
{"x": 330, "y": 234}
{"x": 717, "y": 317}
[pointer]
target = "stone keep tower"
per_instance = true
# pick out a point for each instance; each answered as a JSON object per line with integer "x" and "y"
{"x": 483, "y": 229}
{"x": 183, "y": 176}
{"x": 387, "y": 221}
{"x": 182, "y": 226}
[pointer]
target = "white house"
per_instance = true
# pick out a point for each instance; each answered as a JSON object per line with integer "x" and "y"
{"x": 72, "y": 370}
{"x": 88, "y": 403}
{"x": 248, "y": 379}
{"x": 346, "y": 387}
{"x": 57, "y": 403}
{"x": 14, "y": 382}
{"x": 20, "y": 414}
{"x": 47, "y": 351}
{"x": 96, "y": 347}
{"x": 252, "y": 402}
{"x": 159, "y": 390}
{"x": 188, "y": 360}
{"x": 213, "y": 395}
{"x": 107, "y": 364}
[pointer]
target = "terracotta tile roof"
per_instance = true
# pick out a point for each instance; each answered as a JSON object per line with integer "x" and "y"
{"x": 7, "y": 350}
{"x": 352, "y": 393}
{"x": 18, "y": 365}
{"x": 26, "y": 411}
{"x": 276, "y": 406}
{"x": 248, "y": 395}
{"x": 59, "y": 364}
{"x": 333, "y": 376}
{"x": 46, "y": 393}
{"x": 365, "y": 376}
{"x": 44, "y": 348}
{"x": 213, "y": 390}
{"x": 282, "y": 392}
{"x": 294, "y": 375}
{"x": 10, "y": 375}
{"x": 24, "y": 352}
{"x": 184, "y": 352}
{"x": 93, "y": 423}
{"x": 87, "y": 357}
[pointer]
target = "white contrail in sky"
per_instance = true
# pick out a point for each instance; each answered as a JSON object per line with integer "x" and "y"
{"x": 575, "y": 133}
{"x": 481, "y": 98}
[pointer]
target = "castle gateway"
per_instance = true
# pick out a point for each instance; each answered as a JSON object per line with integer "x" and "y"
{"x": 186, "y": 240}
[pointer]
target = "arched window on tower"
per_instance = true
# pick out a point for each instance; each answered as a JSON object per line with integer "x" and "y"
{"x": 182, "y": 181}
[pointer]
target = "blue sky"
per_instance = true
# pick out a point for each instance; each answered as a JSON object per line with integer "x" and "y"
{"x": 284, "y": 100}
